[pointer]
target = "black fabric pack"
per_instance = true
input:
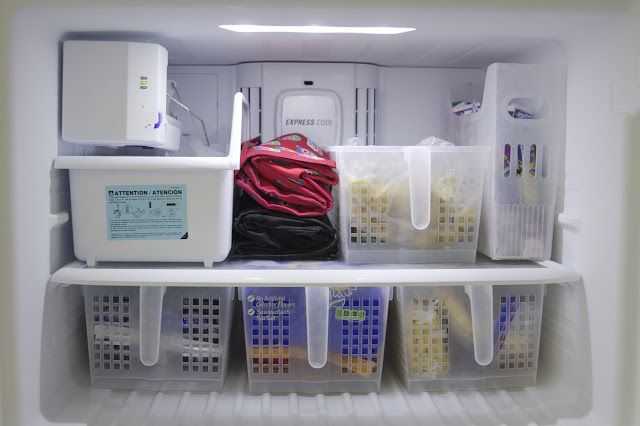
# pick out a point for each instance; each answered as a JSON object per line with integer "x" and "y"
{"x": 259, "y": 233}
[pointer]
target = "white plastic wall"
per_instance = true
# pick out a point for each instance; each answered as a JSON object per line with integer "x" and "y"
{"x": 208, "y": 92}
{"x": 602, "y": 93}
{"x": 415, "y": 103}
{"x": 43, "y": 366}
{"x": 328, "y": 102}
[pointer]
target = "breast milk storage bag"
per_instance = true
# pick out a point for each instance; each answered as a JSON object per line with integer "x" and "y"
{"x": 410, "y": 204}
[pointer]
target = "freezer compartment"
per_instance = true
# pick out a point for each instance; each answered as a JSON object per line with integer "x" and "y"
{"x": 522, "y": 118}
{"x": 155, "y": 208}
{"x": 467, "y": 337}
{"x": 410, "y": 204}
{"x": 157, "y": 338}
{"x": 315, "y": 339}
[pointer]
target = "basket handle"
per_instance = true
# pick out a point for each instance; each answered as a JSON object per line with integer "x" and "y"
{"x": 240, "y": 125}
{"x": 150, "y": 323}
{"x": 419, "y": 162}
{"x": 481, "y": 300}
{"x": 317, "y": 310}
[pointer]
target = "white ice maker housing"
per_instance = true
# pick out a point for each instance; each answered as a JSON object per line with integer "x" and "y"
{"x": 114, "y": 94}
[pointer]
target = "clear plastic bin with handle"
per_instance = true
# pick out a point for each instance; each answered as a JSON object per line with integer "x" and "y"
{"x": 315, "y": 339}
{"x": 522, "y": 119}
{"x": 158, "y": 338}
{"x": 467, "y": 337}
{"x": 410, "y": 204}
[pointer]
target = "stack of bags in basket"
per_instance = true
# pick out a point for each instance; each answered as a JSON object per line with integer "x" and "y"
{"x": 282, "y": 214}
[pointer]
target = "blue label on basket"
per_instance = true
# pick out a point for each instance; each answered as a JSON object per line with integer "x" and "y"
{"x": 146, "y": 212}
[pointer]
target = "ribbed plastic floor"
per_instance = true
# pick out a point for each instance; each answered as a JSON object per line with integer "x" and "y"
{"x": 390, "y": 407}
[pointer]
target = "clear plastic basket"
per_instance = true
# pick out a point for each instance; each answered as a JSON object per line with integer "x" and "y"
{"x": 520, "y": 193}
{"x": 315, "y": 339}
{"x": 467, "y": 337}
{"x": 156, "y": 339}
{"x": 417, "y": 204}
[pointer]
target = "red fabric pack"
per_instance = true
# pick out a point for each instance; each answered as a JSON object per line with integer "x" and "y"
{"x": 289, "y": 174}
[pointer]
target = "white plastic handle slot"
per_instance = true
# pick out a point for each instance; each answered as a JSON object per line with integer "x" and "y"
{"x": 419, "y": 161}
{"x": 317, "y": 308}
{"x": 150, "y": 323}
{"x": 481, "y": 300}
{"x": 240, "y": 127}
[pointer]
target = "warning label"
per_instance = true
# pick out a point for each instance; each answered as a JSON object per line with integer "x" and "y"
{"x": 146, "y": 212}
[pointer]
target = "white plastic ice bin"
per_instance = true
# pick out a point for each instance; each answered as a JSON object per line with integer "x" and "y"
{"x": 160, "y": 209}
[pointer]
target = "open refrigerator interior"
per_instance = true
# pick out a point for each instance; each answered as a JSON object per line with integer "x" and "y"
{"x": 391, "y": 91}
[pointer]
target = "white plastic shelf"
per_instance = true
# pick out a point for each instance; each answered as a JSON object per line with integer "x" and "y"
{"x": 308, "y": 273}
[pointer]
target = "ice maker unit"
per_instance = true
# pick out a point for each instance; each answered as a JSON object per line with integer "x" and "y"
{"x": 114, "y": 94}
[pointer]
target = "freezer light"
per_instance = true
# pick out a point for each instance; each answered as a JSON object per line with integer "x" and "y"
{"x": 315, "y": 29}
